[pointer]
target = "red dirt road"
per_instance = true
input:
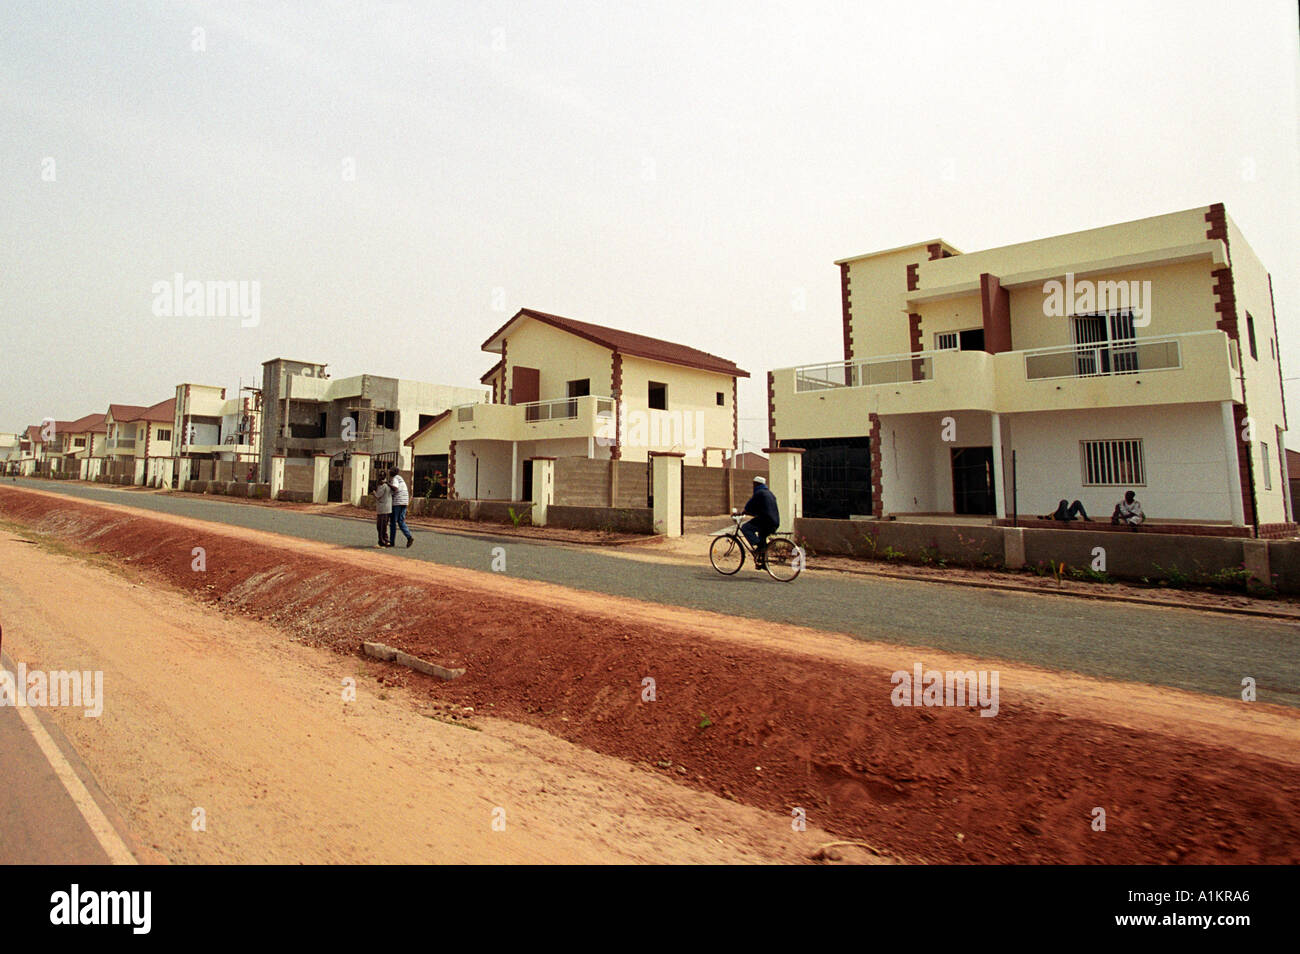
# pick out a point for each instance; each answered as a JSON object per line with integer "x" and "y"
{"x": 769, "y": 715}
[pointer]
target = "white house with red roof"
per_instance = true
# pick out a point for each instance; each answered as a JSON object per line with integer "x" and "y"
{"x": 567, "y": 388}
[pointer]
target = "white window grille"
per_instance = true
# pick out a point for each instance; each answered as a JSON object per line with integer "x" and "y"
{"x": 1113, "y": 463}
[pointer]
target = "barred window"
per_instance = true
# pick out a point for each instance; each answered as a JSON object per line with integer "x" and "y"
{"x": 945, "y": 341}
{"x": 1114, "y": 463}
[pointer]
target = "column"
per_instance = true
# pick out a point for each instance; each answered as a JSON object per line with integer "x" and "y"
{"x": 359, "y": 479}
{"x": 138, "y": 478}
{"x": 999, "y": 481}
{"x": 666, "y": 470}
{"x": 514, "y": 470}
{"x": 277, "y": 476}
{"x": 320, "y": 479}
{"x": 1235, "y": 505}
{"x": 543, "y": 488}
{"x": 785, "y": 480}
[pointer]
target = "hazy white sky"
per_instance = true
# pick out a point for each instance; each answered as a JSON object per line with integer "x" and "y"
{"x": 687, "y": 170}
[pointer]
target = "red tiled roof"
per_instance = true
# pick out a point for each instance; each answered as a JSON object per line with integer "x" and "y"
{"x": 162, "y": 411}
{"x": 34, "y": 433}
{"x": 125, "y": 412}
{"x": 90, "y": 424}
{"x": 629, "y": 343}
{"x": 437, "y": 419}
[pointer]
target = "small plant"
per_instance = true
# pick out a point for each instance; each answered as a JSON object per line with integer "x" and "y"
{"x": 891, "y": 554}
{"x": 705, "y": 721}
{"x": 1174, "y": 576}
{"x": 514, "y": 517}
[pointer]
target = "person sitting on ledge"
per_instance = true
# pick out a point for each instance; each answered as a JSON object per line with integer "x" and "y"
{"x": 1065, "y": 512}
{"x": 1128, "y": 511}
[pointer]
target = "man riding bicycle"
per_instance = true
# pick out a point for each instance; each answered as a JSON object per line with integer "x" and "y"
{"x": 762, "y": 507}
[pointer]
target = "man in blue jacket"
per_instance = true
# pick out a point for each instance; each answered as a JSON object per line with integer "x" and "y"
{"x": 762, "y": 507}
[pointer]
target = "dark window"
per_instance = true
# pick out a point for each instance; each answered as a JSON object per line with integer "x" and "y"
{"x": 426, "y": 418}
{"x": 577, "y": 389}
{"x": 722, "y": 400}
{"x": 836, "y": 476}
{"x": 972, "y": 340}
{"x": 386, "y": 419}
{"x": 1250, "y": 331}
{"x": 658, "y": 398}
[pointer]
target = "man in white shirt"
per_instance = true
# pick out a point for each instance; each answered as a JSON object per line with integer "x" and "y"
{"x": 401, "y": 499}
{"x": 1128, "y": 511}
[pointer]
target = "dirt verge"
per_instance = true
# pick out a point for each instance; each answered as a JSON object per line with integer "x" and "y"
{"x": 740, "y": 712}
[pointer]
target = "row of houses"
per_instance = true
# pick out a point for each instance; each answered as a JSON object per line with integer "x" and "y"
{"x": 559, "y": 388}
{"x": 1140, "y": 356}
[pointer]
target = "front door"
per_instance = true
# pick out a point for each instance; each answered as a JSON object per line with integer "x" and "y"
{"x": 972, "y": 480}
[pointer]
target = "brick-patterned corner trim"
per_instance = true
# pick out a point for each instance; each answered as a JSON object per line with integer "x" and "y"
{"x": 914, "y": 342}
{"x": 846, "y": 309}
{"x": 616, "y": 392}
{"x": 1287, "y": 502}
{"x": 1245, "y": 466}
{"x": 877, "y": 470}
{"x": 913, "y": 276}
{"x": 935, "y": 250}
{"x": 771, "y": 409}
{"x": 735, "y": 417}
{"x": 1224, "y": 288}
{"x": 1277, "y": 355}
{"x": 505, "y": 373}
{"x": 451, "y": 471}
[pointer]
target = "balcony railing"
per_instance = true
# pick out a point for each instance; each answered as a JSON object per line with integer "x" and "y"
{"x": 1102, "y": 359}
{"x": 557, "y": 409}
{"x": 891, "y": 369}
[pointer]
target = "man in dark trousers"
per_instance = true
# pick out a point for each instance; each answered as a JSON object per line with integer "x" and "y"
{"x": 762, "y": 507}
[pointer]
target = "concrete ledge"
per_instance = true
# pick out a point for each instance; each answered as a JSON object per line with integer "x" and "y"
{"x": 1195, "y": 560}
{"x": 609, "y": 519}
{"x": 389, "y": 654}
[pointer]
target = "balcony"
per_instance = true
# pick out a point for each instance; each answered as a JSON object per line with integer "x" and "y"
{"x": 589, "y": 416}
{"x": 834, "y": 399}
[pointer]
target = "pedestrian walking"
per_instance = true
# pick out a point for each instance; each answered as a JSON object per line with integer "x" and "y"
{"x": 383, "y": 510}
{"x": 401, "y": 500}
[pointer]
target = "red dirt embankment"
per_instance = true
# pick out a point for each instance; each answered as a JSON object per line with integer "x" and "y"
{"x": 771, "y": 729}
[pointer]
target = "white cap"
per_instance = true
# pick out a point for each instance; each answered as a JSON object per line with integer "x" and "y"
{"x": 760, "y": 480}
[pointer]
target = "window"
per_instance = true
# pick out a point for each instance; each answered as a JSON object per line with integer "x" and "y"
{"x": 1105, "y": 344}
{"x": 164, "y": 435}
{"x": 1268, "y": 469}
{"x": 386, "y": 419}
{"x": 722, "y": 399}
{"x": 971, "y": 339}
{"x": 658, "y": 397}
{"x": 1250, "y": 331}
{"x": 78, "y": 442}
{"x": 577, "y": 389}
{"x": 1113, "y": 463}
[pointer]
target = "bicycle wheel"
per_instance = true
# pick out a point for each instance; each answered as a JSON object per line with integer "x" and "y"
{"x": 784, "y": 560}
{"x": 727, "y": 555}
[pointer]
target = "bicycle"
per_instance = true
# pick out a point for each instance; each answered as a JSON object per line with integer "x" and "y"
{"x": 782, "y": 559}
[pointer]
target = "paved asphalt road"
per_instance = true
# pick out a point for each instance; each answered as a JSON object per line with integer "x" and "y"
{"x": 1205, "y": 652}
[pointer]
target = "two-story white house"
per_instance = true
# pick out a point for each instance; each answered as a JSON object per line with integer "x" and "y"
{"x": 1141, "y": 356}
{"x": 566, "y": 388}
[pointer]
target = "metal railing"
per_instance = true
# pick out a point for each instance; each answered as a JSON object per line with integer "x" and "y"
{"x": 556, "y": 409}
{"x": 1104, "y": 359}
{"x": 891, "y": 369}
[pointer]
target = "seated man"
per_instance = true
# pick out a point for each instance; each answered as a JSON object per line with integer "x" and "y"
{"x": 762, "y": 507}
{"x": 1065, "y": 512}
{"x": 1128, "y": 511}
